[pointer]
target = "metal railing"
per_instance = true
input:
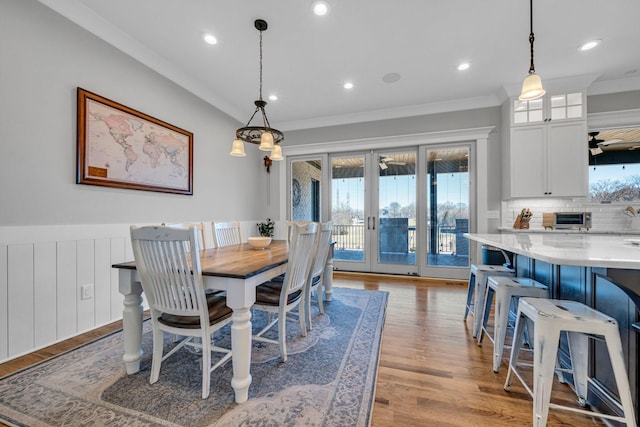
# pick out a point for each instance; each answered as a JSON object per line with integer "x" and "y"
{"x": 351, "y": 237}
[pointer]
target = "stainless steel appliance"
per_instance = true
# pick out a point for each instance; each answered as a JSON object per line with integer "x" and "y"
{"x": 568, "y": 220}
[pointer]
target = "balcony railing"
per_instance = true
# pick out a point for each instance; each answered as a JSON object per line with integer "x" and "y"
{"x": 351, "y": 237}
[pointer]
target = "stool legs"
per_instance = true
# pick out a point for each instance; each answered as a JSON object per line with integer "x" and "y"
{"x": 503, "y": 305}
{"x": 478, "y": 308}
{"x": 620, "y": 374}
{"x": 579, "y": 354}
{"x": 551, "y": 318}
{"x": 470, "y": 294}
{"x": 545, "y": 341}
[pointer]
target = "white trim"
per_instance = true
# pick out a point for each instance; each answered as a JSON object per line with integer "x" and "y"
{"x": 394, "y": 113}
{"x": 613, "y": 119}
{"x": 385, "y": 142}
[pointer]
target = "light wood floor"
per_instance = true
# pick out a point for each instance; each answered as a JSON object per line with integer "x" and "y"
{"x": 431, "y": 371}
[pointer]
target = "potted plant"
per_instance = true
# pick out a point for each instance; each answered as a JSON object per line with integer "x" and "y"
{"x": 266, "y": 228}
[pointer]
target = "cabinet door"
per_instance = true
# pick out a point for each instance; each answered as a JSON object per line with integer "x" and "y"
{"x": 527, "y": 168}
{"x": 567, "y": 159}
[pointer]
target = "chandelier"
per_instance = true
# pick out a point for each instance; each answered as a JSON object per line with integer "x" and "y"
{"x": 532, "y": 84}
{"x": 267, "y": 137}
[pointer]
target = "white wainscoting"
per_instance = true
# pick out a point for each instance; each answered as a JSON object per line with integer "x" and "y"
{"x": 42, "y": 270}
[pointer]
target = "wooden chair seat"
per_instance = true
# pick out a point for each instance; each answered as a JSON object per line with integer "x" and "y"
{"x": 269, "y": 294}
{"x": 218, "y": 311}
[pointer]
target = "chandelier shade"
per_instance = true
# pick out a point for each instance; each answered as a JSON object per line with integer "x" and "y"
{"x": 531, "y": 88}
{"x": 237, "y": 149}
{"x": 265, "y": 136}
{"x": 276, "y": 154}
{"x": 532, "y": 84}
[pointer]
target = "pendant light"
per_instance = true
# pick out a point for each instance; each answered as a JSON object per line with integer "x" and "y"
{"x": 267, "y": 137}
{"x": 532, "y": 84}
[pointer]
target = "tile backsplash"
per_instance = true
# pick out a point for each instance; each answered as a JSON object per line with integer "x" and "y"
{"x": 605, "y": 217}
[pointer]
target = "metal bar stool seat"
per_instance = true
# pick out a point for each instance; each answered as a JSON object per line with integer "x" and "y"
{"x": 506, "y": 291}
{"x": 551, "y": 317}
{"x": 478, "y": 275}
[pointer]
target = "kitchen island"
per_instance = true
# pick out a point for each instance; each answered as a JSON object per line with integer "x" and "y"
{"x": 601, "y": 271}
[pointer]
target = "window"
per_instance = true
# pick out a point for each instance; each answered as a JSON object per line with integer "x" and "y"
{"x": 614, "y": 166}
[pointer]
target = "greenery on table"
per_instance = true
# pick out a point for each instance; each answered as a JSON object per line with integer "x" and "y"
{"x": 266, "y": 228}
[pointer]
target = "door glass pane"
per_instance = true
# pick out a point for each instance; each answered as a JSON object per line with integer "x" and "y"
{"x": 397, "y": 208}
{"x": 305, "y": 190}
{"x": 447, "y": 207}
{"x": 347, "y": 208}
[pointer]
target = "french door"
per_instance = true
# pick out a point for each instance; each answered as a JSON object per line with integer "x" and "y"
{"x": 373, "y": 209}
{"x": 402, "y": 211}
{"x": 447, "y": 204}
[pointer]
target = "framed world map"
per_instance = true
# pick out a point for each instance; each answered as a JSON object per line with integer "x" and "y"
{"x": 124, "y": 148}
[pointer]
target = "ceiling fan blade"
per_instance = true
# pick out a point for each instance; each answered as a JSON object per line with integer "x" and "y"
{"x": 609, "y": 142}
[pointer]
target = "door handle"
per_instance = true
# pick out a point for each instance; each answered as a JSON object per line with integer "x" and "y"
{"x": 368, "y": 223}
{"x": 374, "y": 222}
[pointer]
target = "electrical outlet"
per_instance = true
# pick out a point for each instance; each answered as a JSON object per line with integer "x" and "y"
{"x": 86, "y": 291}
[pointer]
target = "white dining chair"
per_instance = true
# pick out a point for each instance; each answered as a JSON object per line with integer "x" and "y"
{"x": 202, "y": 242}
{"x": 171, "y": 278}
{"x": 226, "y": 233}
{"x": 316, "y": 274}
{"x": 281, "y": 297}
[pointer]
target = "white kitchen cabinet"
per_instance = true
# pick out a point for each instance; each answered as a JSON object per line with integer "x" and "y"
{"x": 546, "y": 160}
{"x": 551, "y": 107}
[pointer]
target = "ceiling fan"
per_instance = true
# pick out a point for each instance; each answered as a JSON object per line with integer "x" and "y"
{"x": 594, "y": 144}
{"x": 386, "y": 161}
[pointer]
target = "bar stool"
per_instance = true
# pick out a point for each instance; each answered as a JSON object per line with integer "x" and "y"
{"x": 550, "y": 318}
{"x": 478, "y": 274}
{"x": 506, "y": 290}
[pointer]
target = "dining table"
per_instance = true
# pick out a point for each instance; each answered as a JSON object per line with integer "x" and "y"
{"x": 236, "y": 269}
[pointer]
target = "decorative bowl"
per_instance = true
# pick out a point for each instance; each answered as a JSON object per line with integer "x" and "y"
{"x": 259, "y": 242}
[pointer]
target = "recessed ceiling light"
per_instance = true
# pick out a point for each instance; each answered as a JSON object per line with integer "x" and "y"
{"x": 209, "y": 38}
{"x": 320, "y": 8}
{"x": 348, "y": 85}
{"x": 391, "y": 77}
{"x": 273, "y": 97}
{"x": 464, "y": 66}
{"x": 589, "y": 45}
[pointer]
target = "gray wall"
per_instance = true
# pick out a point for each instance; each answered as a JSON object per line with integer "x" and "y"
{"x": 44, "y": 57}
{"x": 614, "y": 102}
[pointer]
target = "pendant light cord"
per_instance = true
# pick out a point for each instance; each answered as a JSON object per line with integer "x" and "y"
{"x": 532, "y": 68}
{"x": 261, "y": 64}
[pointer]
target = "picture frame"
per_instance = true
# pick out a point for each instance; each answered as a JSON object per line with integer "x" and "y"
{"x": 120, "y": 147}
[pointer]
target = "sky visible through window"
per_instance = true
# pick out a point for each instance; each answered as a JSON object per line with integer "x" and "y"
{"x": 452, "y": 188}
{"x": 600, "y": 174}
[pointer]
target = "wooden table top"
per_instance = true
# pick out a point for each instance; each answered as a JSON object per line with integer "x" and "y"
{"x": 236, "y": 261}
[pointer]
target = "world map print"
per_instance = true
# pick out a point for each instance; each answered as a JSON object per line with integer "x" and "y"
{"x": 125, "y": 148}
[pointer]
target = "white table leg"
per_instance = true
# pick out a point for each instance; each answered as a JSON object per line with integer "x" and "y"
{"x": 131, "y": 319}
{"x": 241, "y": 356}
{"x": 327, "y": 277}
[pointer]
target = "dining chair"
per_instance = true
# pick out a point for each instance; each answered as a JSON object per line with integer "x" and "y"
{"x": 282, "y": 297}
{"x": 171, "y": 278}
{"x": 202, "y": 242}
{"x": 316, "y": 274}
{"x": 226, "y": 233}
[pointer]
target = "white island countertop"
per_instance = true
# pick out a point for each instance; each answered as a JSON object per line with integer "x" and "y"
{"x": 586, "y": 250}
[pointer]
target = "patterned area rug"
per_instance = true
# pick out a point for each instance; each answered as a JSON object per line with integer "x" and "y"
{"x": 328, "y": 379}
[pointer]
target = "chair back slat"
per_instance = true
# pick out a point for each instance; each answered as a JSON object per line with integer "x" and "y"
{"x": 226, "y": 233}
{"x": 171, "y": 275}
{"x": 301, "y": 252}
{"x": 202, "y": 242}
{"x": 322, "y": 250}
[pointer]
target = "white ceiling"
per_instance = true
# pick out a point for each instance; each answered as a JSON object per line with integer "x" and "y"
{"x": 308, "y": 58}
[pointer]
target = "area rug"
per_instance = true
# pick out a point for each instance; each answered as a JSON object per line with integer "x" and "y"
{"x": 328, "y": 379}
